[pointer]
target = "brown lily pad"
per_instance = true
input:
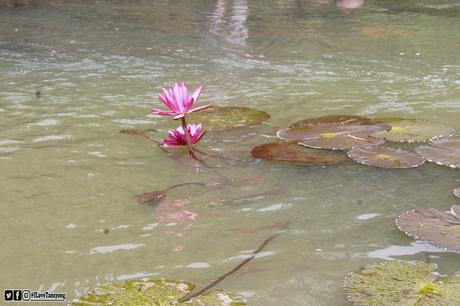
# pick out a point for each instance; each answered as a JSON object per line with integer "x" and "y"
{"x": 433, "y": 225}
{"x": 386, "y": 157}
{"x": 295, "y": 154}
{"x": 219, "y": 118}
{"x": 412, "y": 130}
{"x": 335, "y": 136}
{"x": 444, "y": 152}
{"x": 455, "y": 210}
{"x": 457, "y": 192}
{"x": 339, "y": 119}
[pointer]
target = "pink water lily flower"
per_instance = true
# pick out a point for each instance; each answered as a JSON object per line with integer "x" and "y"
{"x": 177, "y": 137}
{"x": 178, "y": 100}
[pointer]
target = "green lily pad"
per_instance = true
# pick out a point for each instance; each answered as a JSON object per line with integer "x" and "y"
{"x": 150, "y": 292}
{"x": 385, "y": 157}
{"x": 433, "y": 225}
{"x": 219, "y": 118}
{"x": 339, "y": 119}
{"x": 457, "y": 192}
{"x": 335, "y": 136}
{"x": 412, "y": 130}
{"x": 401, "y": 283}
{"x": 444, "y": 152}
{"x": 295, "y": 154}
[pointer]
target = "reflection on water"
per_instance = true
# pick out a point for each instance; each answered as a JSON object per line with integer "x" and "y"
{"x": 68, "y": 177}
{"x": 228, "y": 22}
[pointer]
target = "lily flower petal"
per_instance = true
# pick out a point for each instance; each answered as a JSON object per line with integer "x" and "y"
{"x": 179, "y": 101}
{"x": 177, "y": 137}
{"x": 200, "y": 108}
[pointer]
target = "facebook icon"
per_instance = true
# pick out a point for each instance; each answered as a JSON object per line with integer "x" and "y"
{"x": 17, "y": 295}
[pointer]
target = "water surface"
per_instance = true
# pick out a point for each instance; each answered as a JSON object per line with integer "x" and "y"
{"x": 68, "y": 177}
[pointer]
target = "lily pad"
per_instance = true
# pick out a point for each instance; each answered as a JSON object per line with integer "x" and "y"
{"x": 401, "y": 283}
{"x": 445, "y": 152}
{"x": 339, "y": 119}
{"x": 412, "y": 130}
{"x": 455, "y": 211}
{"x": 433, "y": 225}
{"x": 385, "y": 157}
{"x": 295, "y": 154}
{"x": 219, "y": 118}
{"x": 335, "y": 136}
{"x": 457, "y": 192}
{"x": 154, "y": 293}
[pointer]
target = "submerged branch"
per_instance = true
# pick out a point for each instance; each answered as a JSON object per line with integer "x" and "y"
{"x": 235, "y": 269}
{"x": 154, "y": 197}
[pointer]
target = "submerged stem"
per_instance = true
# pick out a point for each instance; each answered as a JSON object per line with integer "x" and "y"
{"x": 239, "y": 266}
{"x": 187, "y": 137}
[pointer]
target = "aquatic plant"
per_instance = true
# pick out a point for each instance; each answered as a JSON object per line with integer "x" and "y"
{"x": 220, "y": 118}
{"x": 444, "y": 152}
{"x": 295, "y": 154}
{"x": 154, "y": 292}
{"x": 154, "y": 197}
{"x": 412, "y": 130}
{"x": 401, "y": 283}
{"x": 339, "y": 132}
{"x": 386, "y": 157}
{"x": 439, "y": 228}
{"x": 180, "y": 103}
{"x": 344, "y": 119}
{"x": 178, "y": 137}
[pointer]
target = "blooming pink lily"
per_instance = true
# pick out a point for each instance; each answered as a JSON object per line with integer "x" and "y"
{"x": 177, "y": 137}
{"x": 178, "y": 100}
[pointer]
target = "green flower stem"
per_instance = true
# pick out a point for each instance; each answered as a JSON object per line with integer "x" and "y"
{"x": 187, "y": 137}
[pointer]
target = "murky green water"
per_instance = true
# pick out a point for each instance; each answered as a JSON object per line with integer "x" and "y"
{"x": 68, "y": 217}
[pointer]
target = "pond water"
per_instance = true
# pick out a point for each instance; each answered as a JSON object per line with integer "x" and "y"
{"x": 68, "y": 177}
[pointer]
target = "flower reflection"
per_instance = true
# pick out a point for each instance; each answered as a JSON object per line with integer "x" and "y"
{"x": 175, "y": 211}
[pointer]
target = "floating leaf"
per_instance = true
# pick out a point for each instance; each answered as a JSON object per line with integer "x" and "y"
{"x": 457, "y": 192}
{"x": 219, "y": 118}
{"x": 430, "y": 224}
{"x": 154, "y": 197}
{"x": 385, "y": 157}
{"x": 445, "y": 152}
{"x": 401, "y": 283}
{"x": 455, "y": 211}
{"x": 335, "y": 136}
{"x": 154, "y": 293}
{"x": 339, "y": 119}
{"x": 412, "y": 130}
{"x": 150, "y": 198}
{"x": 293, "y": 153}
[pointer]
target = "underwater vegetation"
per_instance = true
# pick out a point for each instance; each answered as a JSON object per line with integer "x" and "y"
{"x": 401, "y": 283}
{"x": 329, "y": 140}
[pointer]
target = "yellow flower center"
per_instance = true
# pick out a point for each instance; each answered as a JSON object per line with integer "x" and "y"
{"x": 384, "y": 156}
{"x": 328, "y": 135}
{"x": 398, "y": 129}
